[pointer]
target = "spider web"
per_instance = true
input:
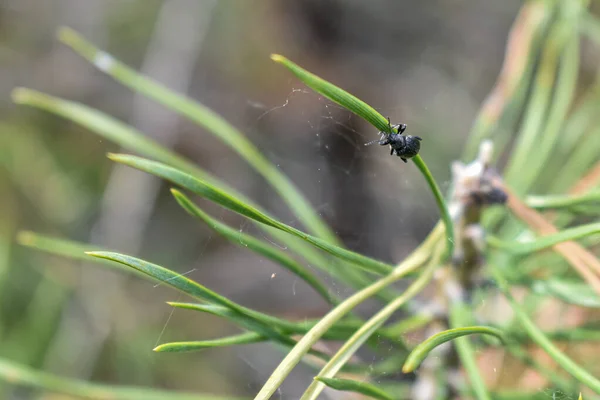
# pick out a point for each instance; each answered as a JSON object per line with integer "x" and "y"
{"x": 333, "y": 152}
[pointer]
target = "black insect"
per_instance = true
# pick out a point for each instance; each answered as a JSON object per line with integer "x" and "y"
{"x": 405, "y": 147}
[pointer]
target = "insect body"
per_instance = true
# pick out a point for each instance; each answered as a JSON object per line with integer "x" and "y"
{"x": 405, "y": 147}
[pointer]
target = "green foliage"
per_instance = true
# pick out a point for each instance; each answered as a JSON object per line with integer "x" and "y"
{"x": 335, "y": 94}
{"x": 343, "y": 355}
{"x": 459, "y": 315}
{"x": 542, "y": 137}
{"x": 353, "y": 386}
{"x": 232, "y": 203}
{"x": 242, "y": 239}
{"x": 367, "y": 112}
{"x": 242, "y": 338}
{"x": 206, "y": 118}
{"x": 339, "y": 331}
{"x": 418, "y": 354}
{"x": 248, "y": 318}
{"x": 544, "y": 342}
{"x": 570, "y": 292}
{"x": 568, "y": 202}
{"x": 25, "y": 376}
{"x": 133, "y": 140}
{"x": 544, "y": 242}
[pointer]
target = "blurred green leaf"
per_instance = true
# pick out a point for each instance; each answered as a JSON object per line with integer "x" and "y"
{"x": 582, "y": 119}
{"x": 250, "y": 242}
{"x": 520, "y": 352}
{"x": 521, "y": 248}
{"x": 460, "y": 315}
{"x": 503, "y": 106}
{"x": 232, "y": 203}
{"x": 386, "y": 366}
{"x": 549, "y": 102}
{"x": 108, "y": 128}
{"x": 349, "y": 385}
{"x": 584, "y": 333}
{"x": 61, "y": 247}
{"x": 21, "y": 375}
{"x": 590, "y": 26}
{"x": 416, "y": 357}
{"x": 56, "y": 192}
{"x": 564, "y": 91}
{"x": 580, "y": 160}
{"x": 6, "y": 233}
{"x": 210, "y": 120}
{"x": 242, "y": 338}
{"x": 408, "y": 324}
{"x": 542, "y": 340}
{"x": 563, "y": 201}
{"x": 570, "y": 292}
{"x": 67, "y": 248}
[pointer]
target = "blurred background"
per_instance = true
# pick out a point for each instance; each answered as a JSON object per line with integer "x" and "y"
{"x": 427, "y": 64}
